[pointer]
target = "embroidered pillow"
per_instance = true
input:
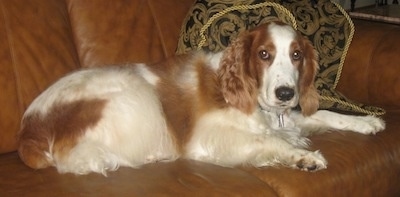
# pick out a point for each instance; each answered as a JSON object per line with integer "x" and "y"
{"x": 212, "y": 24}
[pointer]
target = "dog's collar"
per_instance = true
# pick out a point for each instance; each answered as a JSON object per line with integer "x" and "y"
{"x": 281, "y": 119}
{"x": 280, "y": 114}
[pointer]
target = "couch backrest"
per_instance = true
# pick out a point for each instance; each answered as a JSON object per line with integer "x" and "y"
{"x": 42, "y": 40}
{"x": 371, "y": 70}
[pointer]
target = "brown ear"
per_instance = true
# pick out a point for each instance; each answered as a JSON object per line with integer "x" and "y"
{"x": 309, "y": 97}
{"x": 239, "y": 89}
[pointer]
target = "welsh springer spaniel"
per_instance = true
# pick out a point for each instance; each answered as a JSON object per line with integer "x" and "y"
{"x": 229, "y": 108}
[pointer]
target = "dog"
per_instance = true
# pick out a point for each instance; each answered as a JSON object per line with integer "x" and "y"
{"x": 234, "y": 107}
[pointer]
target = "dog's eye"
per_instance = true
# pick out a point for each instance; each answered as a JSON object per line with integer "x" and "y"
{"x": 297, "y": 55}
{"x": 264, "y": 55}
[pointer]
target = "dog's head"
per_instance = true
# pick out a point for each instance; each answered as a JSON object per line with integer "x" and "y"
{"x": 271, "y": 66}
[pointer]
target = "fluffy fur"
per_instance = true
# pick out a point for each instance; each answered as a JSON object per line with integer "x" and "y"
{"x": 227, "y": 108}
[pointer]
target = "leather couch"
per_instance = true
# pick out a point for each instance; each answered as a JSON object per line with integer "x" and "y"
{"x": 42, "y": 40}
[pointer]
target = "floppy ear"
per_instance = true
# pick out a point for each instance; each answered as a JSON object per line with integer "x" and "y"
{"x": 309, "y": 97}
{"x": 238, "y": 88}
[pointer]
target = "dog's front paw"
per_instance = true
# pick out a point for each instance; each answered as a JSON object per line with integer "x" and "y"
{"x": 308, "y": 161}
{"x": 369, "y": 125}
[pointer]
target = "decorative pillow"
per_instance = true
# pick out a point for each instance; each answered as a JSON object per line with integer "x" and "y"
{"x": 212, "y": 24}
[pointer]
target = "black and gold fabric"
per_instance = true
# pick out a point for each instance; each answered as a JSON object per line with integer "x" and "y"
{"x": 212, "y": 24}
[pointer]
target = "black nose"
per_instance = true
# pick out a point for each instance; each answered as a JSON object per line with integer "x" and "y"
{"x": 284, "y": 93}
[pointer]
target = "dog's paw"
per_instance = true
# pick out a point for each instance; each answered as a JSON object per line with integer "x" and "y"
{"x": 368, "y": 125}
{"x": 308, "y": 161}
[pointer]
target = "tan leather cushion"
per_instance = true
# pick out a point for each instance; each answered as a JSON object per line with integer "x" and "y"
{"x": 118, "y": 32}
{"x": 36, "y": 49}
{"x": 371, "y": 70}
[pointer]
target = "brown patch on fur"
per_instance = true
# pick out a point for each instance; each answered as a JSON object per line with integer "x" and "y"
{"x": 238, "y": 76}
{"x": 309, "y": 97}
{"x": 182, "y": 103}
{"x": 64, "y": 124}
{"x": 209, "y": 94}
{"x": 177, "y": 111}
{"x": 176, "y": 101}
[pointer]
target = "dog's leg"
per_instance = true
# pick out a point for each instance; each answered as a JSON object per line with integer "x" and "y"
{"x": 324, "y": 120}
{"x": 277, "y": 151}
{"x": 229, "y": 139}
{"x": 240, "y": 147}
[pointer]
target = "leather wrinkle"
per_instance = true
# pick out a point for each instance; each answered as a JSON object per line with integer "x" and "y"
{"x": 17, "y": 77}
{"x": 371, "y": 61}
{"x": 72, "y": 32}
{"x": 158, "y": 27}
{"x": 143, "y": 3}
{"x": 68, "y": 19}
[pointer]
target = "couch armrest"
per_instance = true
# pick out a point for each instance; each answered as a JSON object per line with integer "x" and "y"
{"x": 372, "y": 67}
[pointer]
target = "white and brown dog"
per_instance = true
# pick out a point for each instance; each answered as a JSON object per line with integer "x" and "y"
{"x": 227, "y": 108}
